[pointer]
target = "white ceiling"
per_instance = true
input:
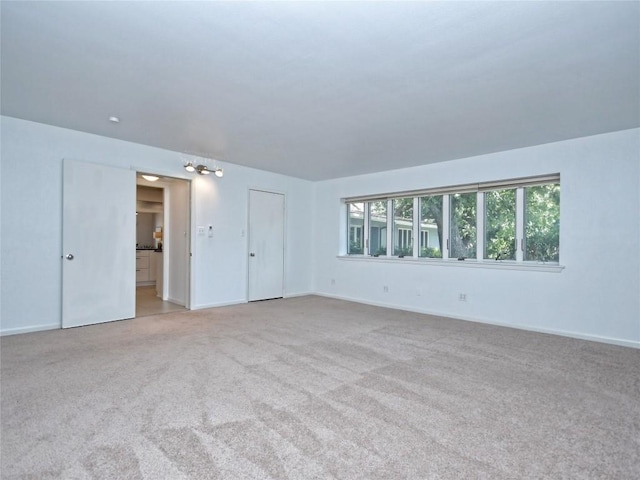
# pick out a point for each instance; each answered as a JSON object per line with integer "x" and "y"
{"x": 321, "y": 90}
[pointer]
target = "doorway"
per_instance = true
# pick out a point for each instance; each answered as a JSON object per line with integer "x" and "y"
{"x": 266, "y": 245}
{"x": 162, "y": 245}
{"x": 99, "y": 232}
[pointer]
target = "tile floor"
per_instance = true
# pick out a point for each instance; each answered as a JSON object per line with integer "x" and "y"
{"x": 148, "y": 303}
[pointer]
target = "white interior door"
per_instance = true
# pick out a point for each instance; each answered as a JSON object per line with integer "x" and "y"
{"x": 177, "y": 242}
{"x": 266, "y": 245}
{"x": 98, "y": 242}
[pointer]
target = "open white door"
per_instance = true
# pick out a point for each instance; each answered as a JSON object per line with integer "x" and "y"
{"x": 98, "y": 242}
{"x": 177, "y": 242}
{"x": 266, "y": 245}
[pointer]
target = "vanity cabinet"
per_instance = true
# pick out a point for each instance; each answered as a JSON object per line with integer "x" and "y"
{"x": 143, "y": 262}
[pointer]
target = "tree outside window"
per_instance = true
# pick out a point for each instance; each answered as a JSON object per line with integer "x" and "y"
{"x": 431, "y": 226}
{"x": 520, "y": 222}
{"x": 542, "y": 223}
{"x": 462, "y": 236}
{"x": 500, "y": 224}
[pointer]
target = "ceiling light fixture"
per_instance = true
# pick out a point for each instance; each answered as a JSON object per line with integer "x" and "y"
{"x": 201, "y": 165}
{"x": 150, "y": 178}
{"x": 114, "y": 119}
{"x": 203, "y": 170}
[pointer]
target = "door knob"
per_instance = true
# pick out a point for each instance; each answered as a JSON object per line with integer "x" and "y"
{"x": 69, "y": 256}
{"x": 252, "y": 254}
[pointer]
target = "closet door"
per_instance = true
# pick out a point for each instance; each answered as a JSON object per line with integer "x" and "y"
{"x": 266, "y": 245}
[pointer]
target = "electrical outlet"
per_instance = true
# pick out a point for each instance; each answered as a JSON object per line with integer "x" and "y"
{"x": 200, "y": 230}
{"x": 463, "y": 297}
{"x": 385, "y": 289}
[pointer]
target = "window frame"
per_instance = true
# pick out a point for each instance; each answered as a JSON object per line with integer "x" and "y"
{"x": 446, "y": 192}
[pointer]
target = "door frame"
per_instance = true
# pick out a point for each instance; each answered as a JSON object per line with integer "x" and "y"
{"x": 190, "y": 241}
{"x": 284, "y": 237}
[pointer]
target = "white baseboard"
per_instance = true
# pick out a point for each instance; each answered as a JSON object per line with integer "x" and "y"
{"x": 177, "y": 302}
{"x": 298, "y": 294}
{"x": 220, "y": 304}
{"x": 563, "y": 333}
{"x": 35, "y": 328}
{"x": 244, "y": 300}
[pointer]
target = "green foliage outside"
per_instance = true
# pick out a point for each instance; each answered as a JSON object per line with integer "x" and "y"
{"x": 355, "y": 248}
{"x": 542, "y": 223}
{"x": 378, "y": 209}
{"x": 500, "y": 224}
{"x": 403, "y": 208}
{"x": 430, "y": 252}
{"x": 403, "y": 252}
{"x": 462, "y": 238}
{"x": 430, "y": 213}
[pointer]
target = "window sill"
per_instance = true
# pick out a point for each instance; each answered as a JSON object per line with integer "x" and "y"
{"x": 469, "y": 263}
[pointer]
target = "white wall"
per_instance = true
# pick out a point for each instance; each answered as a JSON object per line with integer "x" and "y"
{"x": 596, "y": 295}
{"x": 31, "y": 199}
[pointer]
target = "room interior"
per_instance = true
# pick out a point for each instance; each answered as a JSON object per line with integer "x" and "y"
{"x": 367, "y": 367}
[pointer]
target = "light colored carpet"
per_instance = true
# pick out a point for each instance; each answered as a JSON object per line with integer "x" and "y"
{"x": 314, "y": 388}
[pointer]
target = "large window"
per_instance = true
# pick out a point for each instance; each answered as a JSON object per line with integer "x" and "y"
{"x": 503, "y": 221}
{"x": 462, "y": 237}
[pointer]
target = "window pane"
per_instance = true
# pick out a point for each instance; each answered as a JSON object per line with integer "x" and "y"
{"x": 542, "y": 223}
{"x": 403, "y": 227}
{"x": 356, "y": 229}
{"x": 462, "y": 238}
{"x": 378, "y": 228}
{"x": 500, "y": 224}
{"x": 431, "y": 226}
